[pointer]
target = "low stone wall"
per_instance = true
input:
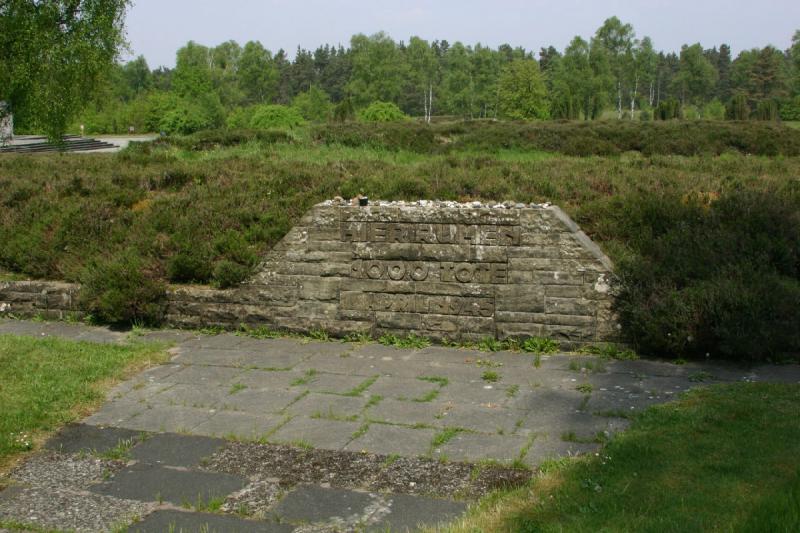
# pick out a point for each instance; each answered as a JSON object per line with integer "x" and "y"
{"x": 442, "y": 270}
{"x": 48, "y": 299}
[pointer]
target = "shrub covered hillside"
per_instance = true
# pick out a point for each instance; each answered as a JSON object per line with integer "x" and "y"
{"x": 570, "y": 138}
{"x": 706, "y": 246}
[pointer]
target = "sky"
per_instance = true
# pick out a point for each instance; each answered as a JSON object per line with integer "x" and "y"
{"x": 157, "y": 28}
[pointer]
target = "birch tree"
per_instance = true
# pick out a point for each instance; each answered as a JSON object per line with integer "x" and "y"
{"x": 54, "y": 54}
{"x": 422, "y": 68}
{"x": 618, "y": 39}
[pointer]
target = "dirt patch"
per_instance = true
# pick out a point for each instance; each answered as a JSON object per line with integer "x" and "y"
{"x": 290, "y": 466}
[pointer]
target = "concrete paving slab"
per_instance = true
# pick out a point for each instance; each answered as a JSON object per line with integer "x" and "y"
{"x": 115, "y": 413}
{"x": 381, "y": 352}
{"x": 80, "y": 332}
{"x": 143, "y": 390}
{"x": 408, "y": 513}
{"x": 259, "y": 402}
{"x": 296, "y": 347}
{"x": 147, "y": 483}
{"x": 26, "y": 328}
{"x": 185, "y": 395}
{"x": 456, "y": 373}
{"x": 475, "y": 393}
{"x": 402, "y": 388}
{"x": 268, "y": 359}
{"x": 408, "y": 412}
{"x": 209, "y": 357}
{"x": 310, "y": 504}
{"x": 478, "y": 447}
{"x": 443, "y": 354}
{"x": 185, "y": 521}
{"x": 319, "y": 433}
{"x": 169, "y": 449}
{"x": 170, "y": 336}
{"x": 332, "y": 406}
{"x": 206, "y": 375}
{"x": 172, "y": 419}
{"x": 223, "y": 341}
{"x": 238, "y": 424}
{"x": 388, "y": 440}
{"x": 74, "y": 438}
{"x": 159, "y": 373}
{"x": 547, "y": 400}
{"x": 397, "y": 368}
{"x": 269, "y": 380}
{"x": 350, "y": 365}
{"x": 335, "y": 383}
{"x": 495, "y": 419}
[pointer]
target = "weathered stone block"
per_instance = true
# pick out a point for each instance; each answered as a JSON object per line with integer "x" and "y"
{"x": 524, "y": 298}
{"x": 570, "y": 306}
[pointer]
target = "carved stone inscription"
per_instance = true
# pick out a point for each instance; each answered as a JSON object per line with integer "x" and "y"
{"x": 417, "y": 303}
{"x": 471, "y": 234}
{"x": 447, "y": 272}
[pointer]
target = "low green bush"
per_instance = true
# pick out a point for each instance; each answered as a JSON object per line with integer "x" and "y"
{"x": 239, "y": 118}
{"x": 123, "y": 289}
{"x": 216, "y": 138}
{"x": 185, "y": 118}
{"x": 717, "y": 279}
{"x": 382, "y": 112}
{"x": 229, "y": 274}
{"x": 276, "y": 116}
{"x": 189, "y": 266}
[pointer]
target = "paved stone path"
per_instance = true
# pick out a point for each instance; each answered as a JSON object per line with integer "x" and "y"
{"x": 287, "y": 435}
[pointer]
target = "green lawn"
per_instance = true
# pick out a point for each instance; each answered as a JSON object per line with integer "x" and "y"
{"x": 724, "y": 458}
{"x": 45, "y": 383}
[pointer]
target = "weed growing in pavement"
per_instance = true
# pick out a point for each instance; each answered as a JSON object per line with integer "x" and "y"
{"x": 490, "y": 376}
{"x": 540, "y": 345}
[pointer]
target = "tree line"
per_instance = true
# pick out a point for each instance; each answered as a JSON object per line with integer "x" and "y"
{"x": 612, "y": 73}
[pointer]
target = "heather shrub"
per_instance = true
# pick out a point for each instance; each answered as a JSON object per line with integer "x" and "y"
{"x": 715, "y": 279}
{"x": 123, "y": 289}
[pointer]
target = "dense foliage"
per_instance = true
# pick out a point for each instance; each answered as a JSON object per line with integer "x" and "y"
{"x": 714, "y": 278}
{"x": 53, "y": 54}
{"x": 382, "y": 112}
{"x": 267, "y": 117}
{"x": 570, "y": 138}
{"x": 611, "y": 74}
